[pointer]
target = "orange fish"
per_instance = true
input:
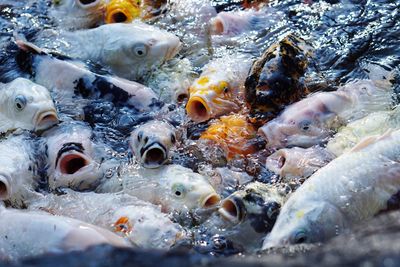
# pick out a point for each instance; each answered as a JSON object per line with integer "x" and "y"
{"x": 122, "y": 225}
{"x": 118, "y": 11}
{"x": 234, "y": 134}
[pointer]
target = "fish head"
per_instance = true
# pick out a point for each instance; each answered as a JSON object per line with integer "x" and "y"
{"x": 134, "y": 49}
{"x": 189, "y": 190}
{"x": 70, "y": 153}
{"x": 29, "y": 105}
{"x": 312, "y": 222}
{"x": 299, "y": 125}
{"x": 151, "y": 143}
{"x": 211, "y": 96}
{"x": 119, "y": 11}
{"x": 5, "y": 186}
{"x": 77, "y": 14}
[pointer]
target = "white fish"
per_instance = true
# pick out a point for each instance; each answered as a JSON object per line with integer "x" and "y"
{"x": 71, "y": 157}
{"x": 174, "y": 187}
{"x": 128, "y": 50}
{"x": 349, "y": 190}
{"x": 18, "y": 170}
{"x": 373, "y": 124}
{"x": 140, "y": 222}
{"x": 313, "y": 119}
{"x": 26, "y": 234}
{"x": 291, "y": 164}
{"x": 26, "y": 105}
{"x": 77, "y": 14}
{"x": 151, "y": 143}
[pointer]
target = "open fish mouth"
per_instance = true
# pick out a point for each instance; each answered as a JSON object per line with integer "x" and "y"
{"x": 73, "y": 162}
{"x": 231, "y": 210}
{"x": 5, "y": 187}
{"x": 173, "y": 49}
{"x": 154, "y": 156}
{"x": 198, "y": 109}
{"x": 46, "y": 119}
{"x": 211, "y": 200}
{"x": 121, "y": 11}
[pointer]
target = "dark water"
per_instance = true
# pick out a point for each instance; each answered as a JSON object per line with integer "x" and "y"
{"x": 351, "y": 39}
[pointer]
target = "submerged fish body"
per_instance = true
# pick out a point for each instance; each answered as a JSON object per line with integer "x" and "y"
{"x": 18, "y": 170}
{"x": 128, "y": 50}
{"x": 218, "y": 91}
{"x": 252, "y": 211}
{"x": 312, "y": 120}
{"x": 140, "y": 222}
{"x": 77, "y": 14}
{"x": 292, "y": 164}
{"x": 151, "y": 143}
{"x": 26, "y": 105}
{"x": 174, "y": 187}
{"x": 70, "y": 151}
{"x": 349, "y": 190}
{"x": 373, "y": 124}
{"x": 275, "y": 80}
{"x": 34, "y": 233}
{"x": 234, "y": 134}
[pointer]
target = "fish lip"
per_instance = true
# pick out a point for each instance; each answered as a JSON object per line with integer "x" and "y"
{"x": 217, "y": 26}
{"x": 159, "y": 160}
{"x": 172, "y": 51}
{"x": 210, "y": 200}
{"x": 230, "y": 210}
{"x": 5, "y": 187}
{"x": 46, "y": 119}
{"x": 66, "y": 157}
{"x": 198, "y": 109}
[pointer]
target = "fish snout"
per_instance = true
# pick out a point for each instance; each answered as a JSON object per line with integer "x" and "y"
{"x": 154, "y": 155}
{"x": 232, "y": 209}
{"x": 5, "y": 187}
{"x": 72, "y": 162}
{"x": 198, "y": 109}
{"x": 46, "y": 119}
{"x": 173, "y": 45}
{"x": 272, "y": 134}
{"x": 277, "y": 162}
{"x": 121, "y": 11}
{"x": 211, "y": 200}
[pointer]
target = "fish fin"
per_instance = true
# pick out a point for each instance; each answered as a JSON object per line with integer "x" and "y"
{"x": 29, "y": 47}
{"x": 370, "y": 140}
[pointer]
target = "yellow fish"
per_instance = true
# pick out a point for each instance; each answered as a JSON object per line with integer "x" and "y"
{"x": 118, "y": 11}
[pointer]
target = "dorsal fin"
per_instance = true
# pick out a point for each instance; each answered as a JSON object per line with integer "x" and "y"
{"x": 29, "y": 47}
{"x": 370, "y": 140}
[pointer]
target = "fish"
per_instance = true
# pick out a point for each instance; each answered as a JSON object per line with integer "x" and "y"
{"x": 26, "y": 105}
{"x": 77, "y": 14}
{"x": 151, "y": 143}
{"x": 31, "y": 233}
{"x": 174, "y": 187}
{"x": 129, "y": 50}
{"x": 276, "y": 79}
{"x": 125, "y": 11}
{"x": 140, "y": 222}
{"x": 69, "y": 78}
{"x": 71, "y": 157}
{"x": 375, "y": 123}
{"x": 347, "y": 191}
{"x": 251, "y": 211}
{"x": 234, "y": 134}
{"x": 314, "y": 119}
{"x": 294, "y": 164}
{"x": 219, "y": 89}
{"x": 20, "y": 169}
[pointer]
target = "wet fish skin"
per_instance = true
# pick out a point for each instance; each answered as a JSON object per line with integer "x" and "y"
{"x": 26, "y": 105}
{"x": 140, "y": 222}
{"x": 151, "y": 143}
{"x": 71, "y": 160}
{"x": 174, "y": 187}
{"x": 292, "y": 164}
{"x": 350, "y": 189}
{"x": 128, "y": 50}
{"x": 312, "y": 120}
{"x": 219, "y": 89}
{"x": 76, "y": 14}
{"x": 34, "y": 233}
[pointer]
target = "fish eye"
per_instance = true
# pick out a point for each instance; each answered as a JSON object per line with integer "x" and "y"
{"x": 305, "y": 125}
{"x": 140, "y": 50}
{"x": 224, "y": 87}
{"x": 173, "y": 138}
{"x": 300, "y": 237}
{"x": 140, "y": 136}
{"x": 87, "y": 2}
{"x": 20, "y": 102}
{"x": 179, "y": 190}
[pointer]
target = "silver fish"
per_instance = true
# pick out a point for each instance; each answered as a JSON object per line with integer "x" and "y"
{"x": 350, "y": 189}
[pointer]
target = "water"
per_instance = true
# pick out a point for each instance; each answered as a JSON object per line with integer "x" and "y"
{"x": 350, "y": 39}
